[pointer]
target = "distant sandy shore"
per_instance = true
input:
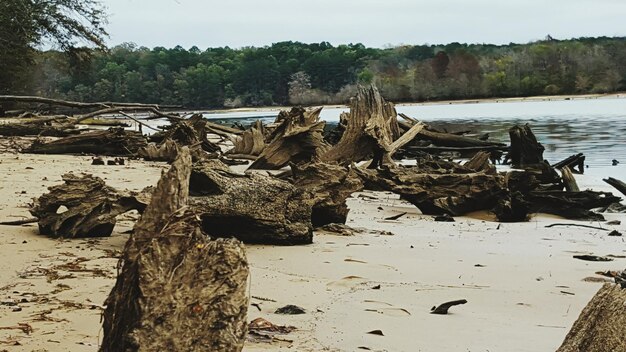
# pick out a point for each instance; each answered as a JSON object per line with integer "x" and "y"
{"x": 620, "y": 95}
{"x": 523, "y": 287}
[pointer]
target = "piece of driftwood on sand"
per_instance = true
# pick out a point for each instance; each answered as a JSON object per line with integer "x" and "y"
{"x": 177, "y": 290}
{"x": 253, "y": 207}
{"x": 90, "y": 206}
{"x": 600, "y": 326}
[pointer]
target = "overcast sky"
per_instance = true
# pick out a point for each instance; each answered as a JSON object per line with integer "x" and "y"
{"x": 376, "y": 23}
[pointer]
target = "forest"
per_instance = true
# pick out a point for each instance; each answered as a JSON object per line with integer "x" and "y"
{"x": 294, "y": 73}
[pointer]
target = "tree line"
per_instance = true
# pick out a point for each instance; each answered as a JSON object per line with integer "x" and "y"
{"x": 84, "y": 69}
{"x": 320, "y": 73}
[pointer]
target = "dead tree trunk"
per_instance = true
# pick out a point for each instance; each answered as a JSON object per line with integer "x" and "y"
{"x": 330, "y": 185}
{"x": 600, "y": 326}
{"x": 254, "y": 208}
{"x": 371, "y": 128}
{"x": 575, "y": 162}
{"x": 617, "y": 184}
{"x": 571, "y": 205}
{"x": 525, "y": 150}
{"x": 91, "y": 207}
{"x": 177, "y": 289}
{"x": 297, "y": 139}
{"x": 22, "y": 129}
{"x": 480, "y": 163}
{"x": 114, "y": 141}
{"x": 436, "y": 194}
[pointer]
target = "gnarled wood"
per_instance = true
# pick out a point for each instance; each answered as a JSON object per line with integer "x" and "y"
{"x": 254, "y": 208}
{"x": 600, "y": 326}
{"x": 91, "y": 207}
{"x": 480, "y": 163}
{"x": 436, "y": 194}
{"x": 575, "y": 162}
{"x": 297, "y": 139}
{"x": 331, "y": 185}
{"x": 177, "y": 290}
{"x": 370, "y": 130}
{"x": 251, "y": 141}
{"x": 114, "y": 141}
{"x": 617, "y": 184}
{"x": 571, "y": 205}
{"x": 568, "y": 180}
{"x": 525, "y": 150}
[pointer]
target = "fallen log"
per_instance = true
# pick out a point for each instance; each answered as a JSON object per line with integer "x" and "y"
{"x": 75, "y": 104}
{"x": 177, "y": 289}
{"x": 32, "y": 129}
{"x": 575, "y": 162}
{"x": 253, "y": 207}
{"x": 571, "y": 205}
{"x": 617, "y": 184}
{"x": 600, "y": 326}
{"x": 525, "y": 151}
{"x": 297, "y": 139}
{"x": 437, "y": 194}
{"x": 91, "y": 207}
{"x": 114, "y": 141}
{"x": 331, "y": 185}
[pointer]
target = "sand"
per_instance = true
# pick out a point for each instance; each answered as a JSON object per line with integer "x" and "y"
{"x": 523, "y": 287}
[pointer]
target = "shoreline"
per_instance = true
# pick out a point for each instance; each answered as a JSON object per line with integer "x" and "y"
{"x": 520, "y": 279}
{"x": 538, "y": 98}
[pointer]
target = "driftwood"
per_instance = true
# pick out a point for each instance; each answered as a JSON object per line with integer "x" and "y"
{"x": 35, "y": 129}
{"x": 254, "y": 208}
{"x": 370, "y": 130}
{"x": 617, "y": 184}
{"x": 443, "y": 308}
{"x": 525, "y": 150}
{"x": 297, "y": 139}
{"x": 571, "y": 205}
{"x": 331, "y": 185}
{"x": 575, "y": 162}
{"x": 75, "y": 104}
{"x": 480, "y": 163}
{"x": 114, "y": 141}
{"x": 91, "y": 207}
{"x": 251, "y": 141}
{"x": 568, "y": 180}
{"x": 190, "y": 133}
{"x": 436, "y": 194}
{"x": 600, "y": 326}
{"x": 177, "y": 290}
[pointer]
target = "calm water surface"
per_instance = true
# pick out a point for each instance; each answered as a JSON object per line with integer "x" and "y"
{"x": 595, "y": 127}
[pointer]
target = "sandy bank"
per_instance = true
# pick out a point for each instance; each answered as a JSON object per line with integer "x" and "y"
{"x": 523, "y": 286}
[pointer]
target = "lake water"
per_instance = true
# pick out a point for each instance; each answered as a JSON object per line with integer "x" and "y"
{"x": 595, "y": 127}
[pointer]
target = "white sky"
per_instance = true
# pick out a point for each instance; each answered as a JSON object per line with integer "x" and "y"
{"x": 375, "y": 23}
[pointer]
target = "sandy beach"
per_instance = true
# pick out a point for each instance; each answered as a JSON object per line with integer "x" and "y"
{"x": 524, "y": 289}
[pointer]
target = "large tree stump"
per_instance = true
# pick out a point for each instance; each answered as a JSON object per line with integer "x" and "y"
{"x": 601, "y": 325}
{"x": 91, "y": 207}
{"x": 436, "y": 194}
{"x": 297, "y": 139}
{"x": 525, "y": 150}
{"x": 370, "y": 130}
{"x": 114, "y": 141}
{"x": 190, "y": 133}
{"x": 251, "y": 141}
{"x": 331, "y": 185}
{"x": 177, "y": 289}
{"x": 254, "y": 208}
